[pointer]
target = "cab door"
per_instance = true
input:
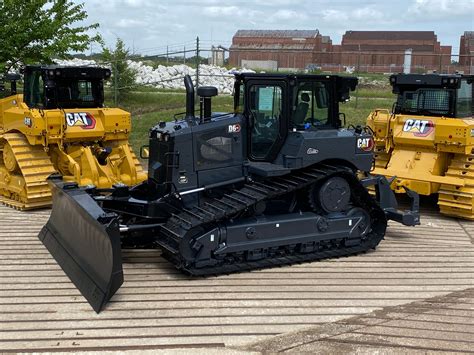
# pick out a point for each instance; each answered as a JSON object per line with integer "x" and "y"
{"x": 266, "y": 110}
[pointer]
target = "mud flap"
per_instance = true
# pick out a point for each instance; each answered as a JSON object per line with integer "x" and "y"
{"x": 85, "y": 242}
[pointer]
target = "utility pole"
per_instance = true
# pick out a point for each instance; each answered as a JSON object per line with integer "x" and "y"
{"x": 197, "y": 62}
{"x": 167, "y": 54}
{"x": 184, "y": 55}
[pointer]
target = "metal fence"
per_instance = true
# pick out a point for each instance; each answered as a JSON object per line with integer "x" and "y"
{"x": 358, "y": 61}
{"x": 196, "y": 53}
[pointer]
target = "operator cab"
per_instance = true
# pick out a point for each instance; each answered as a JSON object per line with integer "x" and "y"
{"x": 433, "y": 94}
{"x": 53, "y": 87}
{"x": 278, "y": 104}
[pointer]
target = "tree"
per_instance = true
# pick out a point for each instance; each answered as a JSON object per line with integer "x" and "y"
{"x": 36, "y": 31}
{"x": 123, "y": 77}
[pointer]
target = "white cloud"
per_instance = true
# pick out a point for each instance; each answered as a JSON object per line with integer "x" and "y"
{"x": 219, "y": 11}
{"x": 430, "y": 9}
{"x": 128, "y": 23}
{"x": 152, "y": 24}
{"x": 368, "y": 14}
{"x": 284, "y": 14}
{"x": 135, "y": 3}
{"x": 365, "y": 15}
{"x": 335, "y": 16}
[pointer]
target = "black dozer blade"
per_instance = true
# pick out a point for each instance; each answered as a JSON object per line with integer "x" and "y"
{"x": 85, "y": 242}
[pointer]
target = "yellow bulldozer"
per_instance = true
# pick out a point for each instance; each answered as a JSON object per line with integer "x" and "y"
{"x": 426, "y": 142}
{"x": 60, "y": 125}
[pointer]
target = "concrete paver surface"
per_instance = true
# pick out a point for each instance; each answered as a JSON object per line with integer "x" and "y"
{"x": 160, "y": 309}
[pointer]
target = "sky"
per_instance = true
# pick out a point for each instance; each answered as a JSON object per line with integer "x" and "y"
{"x": 148, "y": 26}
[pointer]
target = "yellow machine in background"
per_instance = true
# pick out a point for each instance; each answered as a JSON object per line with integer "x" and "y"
{"x": 427, "y": 142}
{"x": 59, "y": 125}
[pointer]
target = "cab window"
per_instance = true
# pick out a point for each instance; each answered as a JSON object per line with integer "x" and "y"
{"x": 464, "y": 102}
{"x": 311, "y": 105}
{"x": 266, "y": 106}
{"x": 34, "y": 93}
{"x": 435, "y": 102}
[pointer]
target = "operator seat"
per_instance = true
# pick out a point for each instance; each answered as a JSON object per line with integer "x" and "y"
{"x": 301, "y": 110}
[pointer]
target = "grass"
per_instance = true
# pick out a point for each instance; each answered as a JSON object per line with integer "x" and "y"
{"x": 357, "y": 110}
{"x": 374, "y": 93}
{"x": 150, "y": 106}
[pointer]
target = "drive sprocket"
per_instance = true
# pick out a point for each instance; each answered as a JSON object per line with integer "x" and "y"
{"x": 329, "y": 196}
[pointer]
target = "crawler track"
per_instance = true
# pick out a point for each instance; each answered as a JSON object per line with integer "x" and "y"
{"x": 26, "y": 188}
{"x": 188, "y": 225}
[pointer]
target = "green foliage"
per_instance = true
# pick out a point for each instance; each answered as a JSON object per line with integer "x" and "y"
{"x": 35, "y": 31}
{"x": 123, "y": 77}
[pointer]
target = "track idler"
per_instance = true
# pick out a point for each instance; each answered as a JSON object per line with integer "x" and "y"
{"x": 85, "y": 242}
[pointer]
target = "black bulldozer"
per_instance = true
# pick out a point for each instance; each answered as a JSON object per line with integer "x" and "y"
{"x": 275, "y": 182}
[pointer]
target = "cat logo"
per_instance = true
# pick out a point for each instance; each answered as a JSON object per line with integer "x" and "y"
{"x": 419, "y": 128}
{"x": 80, "y": 119}
{"x": 365, "y": 144}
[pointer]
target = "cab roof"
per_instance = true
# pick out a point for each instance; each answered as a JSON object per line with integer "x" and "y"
{"x": 71, "y": 72}
{"x": 449, "y": 81}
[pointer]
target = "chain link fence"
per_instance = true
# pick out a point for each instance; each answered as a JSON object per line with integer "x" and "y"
{"x": 195, "y": 57}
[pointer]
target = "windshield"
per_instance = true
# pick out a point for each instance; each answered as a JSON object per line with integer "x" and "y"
{"x": 311, "y": 105}
{"x": 64, "y": 93}
{"x": 78, "y": 93}
{"x": 437, "y": 102}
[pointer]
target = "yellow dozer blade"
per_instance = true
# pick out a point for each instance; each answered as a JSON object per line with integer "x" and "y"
{"x": 427, "y": 143}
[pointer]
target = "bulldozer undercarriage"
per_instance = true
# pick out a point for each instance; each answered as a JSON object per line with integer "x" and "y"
{"x": 24, "y": 169}
{"x": 217, "y": 237}
{"x": 455, "y": 200}
{"x": 458, "y": 201}
{"x": 23, "y": 172}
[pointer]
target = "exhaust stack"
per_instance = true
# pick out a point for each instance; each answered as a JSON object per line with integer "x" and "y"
{"x": 188, "y": 83}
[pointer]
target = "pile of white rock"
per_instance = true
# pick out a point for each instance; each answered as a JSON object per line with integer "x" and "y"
{"x": 76, "y": 62}
{"x": 171, "y": 77}
{"x": 372, "y": 83}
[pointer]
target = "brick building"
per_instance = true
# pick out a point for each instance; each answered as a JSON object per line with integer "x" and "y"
{"x": 383, "y": 51}
{"x": 466, "y": 49}
{"x": 372, "y": 51}
{"x": 280, "y": 49}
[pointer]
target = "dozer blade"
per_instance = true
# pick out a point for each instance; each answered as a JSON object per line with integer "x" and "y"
{"x": 85, "y": 241}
